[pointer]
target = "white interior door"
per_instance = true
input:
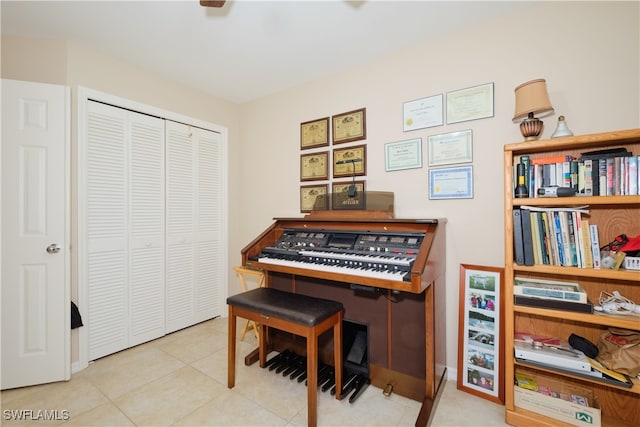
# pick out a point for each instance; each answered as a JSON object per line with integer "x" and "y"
{"x": 35, "y": 234}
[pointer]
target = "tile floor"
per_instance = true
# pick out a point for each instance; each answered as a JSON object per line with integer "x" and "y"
{"x": 180, "y": 380}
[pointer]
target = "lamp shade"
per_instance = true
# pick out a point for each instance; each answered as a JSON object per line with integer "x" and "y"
{"x": 532, "y": 97}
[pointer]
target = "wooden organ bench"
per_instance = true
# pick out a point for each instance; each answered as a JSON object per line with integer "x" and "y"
{"x": 298, "y": 314}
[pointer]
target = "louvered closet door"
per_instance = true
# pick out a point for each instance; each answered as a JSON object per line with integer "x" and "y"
{"x": 208, "y": 286}
{"x": 106, "y": 230}
{"x": 124, "y": 193}
{"x": 193, "y": 248}
{"x": 146, "y": 220}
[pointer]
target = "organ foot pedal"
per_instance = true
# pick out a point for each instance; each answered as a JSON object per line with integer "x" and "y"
{"x": 294, "y": 366}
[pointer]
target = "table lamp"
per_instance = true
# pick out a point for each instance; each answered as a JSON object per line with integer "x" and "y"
{"x": 532, "y": 102}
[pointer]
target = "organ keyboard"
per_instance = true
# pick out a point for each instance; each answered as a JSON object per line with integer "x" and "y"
{"x": 388, "y": 254}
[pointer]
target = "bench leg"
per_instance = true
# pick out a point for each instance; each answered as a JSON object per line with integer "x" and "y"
{"x": 231, "y": 352}
{"x": 337, "y": 354}
{"x": 312, "y": 378}
{"x": 262, "y": 344}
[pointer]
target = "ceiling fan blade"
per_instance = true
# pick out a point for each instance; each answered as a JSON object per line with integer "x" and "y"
{"x": 212, "y": 3}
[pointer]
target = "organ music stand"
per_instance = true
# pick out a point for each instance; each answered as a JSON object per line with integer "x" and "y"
{"x": 242, "y": 273}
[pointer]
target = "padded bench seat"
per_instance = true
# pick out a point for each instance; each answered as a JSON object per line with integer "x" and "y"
{"x": 298, "y": 314}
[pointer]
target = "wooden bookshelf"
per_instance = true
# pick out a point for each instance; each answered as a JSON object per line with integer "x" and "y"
{"x": 614, "y": 215}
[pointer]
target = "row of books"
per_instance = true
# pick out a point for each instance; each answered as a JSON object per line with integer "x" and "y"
{"x": 614, "y": 174}
{"x": 555, "y": 236}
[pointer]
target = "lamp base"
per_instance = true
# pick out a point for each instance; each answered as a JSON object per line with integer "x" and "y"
{"x": 531, "y": 128}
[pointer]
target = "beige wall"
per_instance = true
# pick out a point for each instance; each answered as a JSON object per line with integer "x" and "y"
{"x": 588, "y": 52}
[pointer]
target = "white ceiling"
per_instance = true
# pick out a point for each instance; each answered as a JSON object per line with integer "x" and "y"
{"x": 246, "y": 49}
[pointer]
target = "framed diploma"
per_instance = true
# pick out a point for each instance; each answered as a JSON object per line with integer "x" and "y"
{"x": 343, "y": 187}
{"x": 314, "y": 133}
{"x": 422, "y": 113}
{"x": 451, "y": 183}
{"x": 470, "y": 104}
{"x": 314, "y": 167}
{"x": 350, "y": 161}
{"x": 350, "y": 126}
{"x": 450, "y": 148}
{"x": 403, "y": 155}
{"x": 313, "y": 197}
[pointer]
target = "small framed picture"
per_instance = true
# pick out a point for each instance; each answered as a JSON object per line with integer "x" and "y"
{"x": 350, "y": 161}
{"x": 314, "y": 167}
{"x": 314, "y": 133}
{"x": 349, "y": 126}
{"x": 480, "y": 336}
{"x": 313, "y": 197}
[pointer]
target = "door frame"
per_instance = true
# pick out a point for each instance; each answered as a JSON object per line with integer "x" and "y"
{"x": 84, "y": 95}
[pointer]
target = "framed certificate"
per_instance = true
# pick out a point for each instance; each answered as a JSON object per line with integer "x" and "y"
{"x": 314, "y": 133}
{"x": 313, "y": 197}
{"x": 451, "y": 183}
{"x": 350, "y": 126}
{"x": 343, "y": 187}
{"x": 314, "y": 167}
{"x": 450, "y": 148}
{"x": 403, "y": 155}
{"x": 422, "y": 113}
{"x": 470, "y": 104}
{"x": 350, "y": 161}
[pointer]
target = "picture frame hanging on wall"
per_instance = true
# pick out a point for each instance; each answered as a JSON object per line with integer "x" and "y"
{"x": 351, "y": 161}
{"x": 422, "y": 113}
{"x": 314, "y": 167}
{"x": 470, "y": 104}
{"x": 313, "y": 197}
{"x": 349, "y": 126}
{"x": 480, "y": 333}
{"x": 314, "y": 133}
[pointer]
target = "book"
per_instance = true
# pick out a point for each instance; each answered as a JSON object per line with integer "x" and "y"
{"x": 551, "y": 159}
{"x": 527, "y": 241}
{"x": 551, "y": 289}
{"x": 595, "y": 245}
{"x": 518, "y": 247}
{"x": 553, "y": 304}
{"x": 588, "y": 178}
{"x": 586, "y": 242}
{"x": 633, "y": 176}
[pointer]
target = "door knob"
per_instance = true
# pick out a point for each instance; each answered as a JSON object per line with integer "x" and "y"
{"x": 53, "y": 248}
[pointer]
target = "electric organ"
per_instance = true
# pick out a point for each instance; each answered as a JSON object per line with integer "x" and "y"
{"x": 388, "y": 273}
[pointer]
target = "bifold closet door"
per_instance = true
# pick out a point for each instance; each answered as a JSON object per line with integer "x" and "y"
{"x": 193, "y": 221}
{"x": 122, "y": 194}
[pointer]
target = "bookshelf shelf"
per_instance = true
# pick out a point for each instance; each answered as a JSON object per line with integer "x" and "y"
{"x": 616, "y": 201}
{"x": 635, "y": 389}
{"x": 613, "y": 215}
{"x": 626, "y": 322}
{"x": 631, "y": 275}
